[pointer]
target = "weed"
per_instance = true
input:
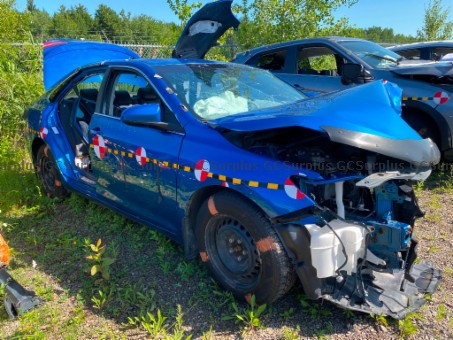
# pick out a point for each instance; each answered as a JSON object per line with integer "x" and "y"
{"x": 287, "y": 314}
{"x": 419, "y": 188}
{"x": 448, "y": 271}
{"x": 380, "y": 319}
{"x": 407, "y": 327}
{"x": 349, "y": 314}
{"x": 291, "y": 334}
{"x": 103, "y": 297}
{"x": 178, "y": 331}
{"x": 441, "y": 312}
{"x": 250, "y": 317}
{"x": 155, "y": 326}
{"x": 208, "y": 335}
{"x": 102, "y": 264}
{"x": 136, "y": 295}
{"x": 432, "y": 249}
{"x": 322, "y": 333}
{"x": 186, "y": 270}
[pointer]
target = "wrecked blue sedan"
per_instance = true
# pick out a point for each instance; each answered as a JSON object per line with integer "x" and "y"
{"x": 259, "y": 181}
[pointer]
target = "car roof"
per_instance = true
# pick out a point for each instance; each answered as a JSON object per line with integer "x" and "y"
{"x": 439, "y": 43}
{"x": 297, "y": 42}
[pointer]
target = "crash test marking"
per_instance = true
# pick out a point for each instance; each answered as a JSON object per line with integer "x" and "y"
{"x": 140, "y": 156}
{"x": 292, "y": 191}
{"x": 43, "y": 132}
{"x": 201, "y": 170}
{"x": 99, "y": 146}
{"x": 440, "y": 98}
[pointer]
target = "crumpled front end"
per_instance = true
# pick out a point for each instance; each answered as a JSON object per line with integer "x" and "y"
{"x": 356, "y": 248}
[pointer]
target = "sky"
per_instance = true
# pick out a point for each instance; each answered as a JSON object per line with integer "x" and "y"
{"x": 404, "y": 16}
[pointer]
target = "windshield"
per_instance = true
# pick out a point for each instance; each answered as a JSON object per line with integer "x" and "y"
{"x": 213, "y": 91}
{"x": 373, "y": 54}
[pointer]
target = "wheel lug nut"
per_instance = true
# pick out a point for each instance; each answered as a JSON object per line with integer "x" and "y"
{"x": 231, "y": 240}
{"x": 239, "y": 241}
{"x": 244, "y": 252}
{"x": 231, "y": 251}
{"x": 239, "y": 258}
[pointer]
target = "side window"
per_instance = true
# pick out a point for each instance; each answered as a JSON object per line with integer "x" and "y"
{"x": 127, "y": 87}
{"x": 319, "y": 61}
{"x": 412, "y": 54}
{"x": 272, "y": 61}
{"x": 439, "y": 52}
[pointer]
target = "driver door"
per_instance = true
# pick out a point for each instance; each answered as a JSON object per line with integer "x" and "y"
{"x": 129, "y": 161}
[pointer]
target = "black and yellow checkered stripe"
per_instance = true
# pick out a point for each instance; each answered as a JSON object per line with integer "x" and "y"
{"x": 33, "y": 131}
{"x": 417, "y": 98}
{"x": 185, "y": 168}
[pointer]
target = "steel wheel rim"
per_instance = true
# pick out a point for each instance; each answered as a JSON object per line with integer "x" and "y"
{"x": 233, "y": 251}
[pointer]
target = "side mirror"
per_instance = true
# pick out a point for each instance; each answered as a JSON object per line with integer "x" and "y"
{"x": 144, "y": 115}
{"x": 352, "y": 74}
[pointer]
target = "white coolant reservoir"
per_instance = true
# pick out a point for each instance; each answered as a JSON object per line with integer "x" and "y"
{"x": 327, "y": 252}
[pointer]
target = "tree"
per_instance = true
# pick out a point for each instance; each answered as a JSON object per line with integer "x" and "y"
{"x": 436, "y": 25}
{"x": 107, "y": 22}
{"x": 182, "y": 10}
{"x": 269, "y": 21}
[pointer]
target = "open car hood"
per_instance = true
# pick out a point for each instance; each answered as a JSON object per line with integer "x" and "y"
{"x": 204, "y": 28}
{"x": 364, "y": 117}
{"x": 439, "y": 69}
{"x": 63, "y": 56}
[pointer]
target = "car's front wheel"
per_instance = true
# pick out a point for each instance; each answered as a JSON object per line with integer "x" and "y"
{"x": 241, "y": 249}
{"x": 48, "y": 174}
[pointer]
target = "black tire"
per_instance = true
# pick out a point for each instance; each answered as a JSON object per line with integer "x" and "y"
{"x": 241, "y": 249}
{"x": 48, "y": 174}
{"x": 424, "y": 127}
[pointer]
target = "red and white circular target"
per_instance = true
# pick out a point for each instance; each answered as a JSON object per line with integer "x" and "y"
{"x": 292, "y": 191}
{"x": 440, "y": 98}
{"x": 201, "y": 170}
{"x": 43, "y": 132}
{"x": 140, "y": 156}
{"x": 99, "y": 146}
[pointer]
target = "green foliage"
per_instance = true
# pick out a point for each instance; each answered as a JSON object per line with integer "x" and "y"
{"x": 271, "y": 21}
{"x": 20, "y": 67}
{"x": 183, "y": 10}
{"x": 154, "y": 325}
{"x": 290, "y": 334}
{"x": 407, "y": 327}
{"x": 103, "y": 297}
{"x": 101, "y": 263}
{"x": 250, "y": 317}
{"x": 436, "y": 25}
{"x": 380, "y": 319}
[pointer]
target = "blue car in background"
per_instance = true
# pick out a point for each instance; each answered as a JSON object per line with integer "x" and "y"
{"x": 327, "y": 64}
{"x": 260, "y": 182}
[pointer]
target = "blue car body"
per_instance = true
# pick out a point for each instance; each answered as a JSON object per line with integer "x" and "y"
{"x": 161, "y": 163}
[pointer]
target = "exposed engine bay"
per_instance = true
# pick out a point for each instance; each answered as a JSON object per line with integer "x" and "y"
{"x": 360, "y": 232}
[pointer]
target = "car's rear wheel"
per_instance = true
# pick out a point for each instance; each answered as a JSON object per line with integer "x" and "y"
{"x": 241, "y": 249}
{"x": 48, "y": 174}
